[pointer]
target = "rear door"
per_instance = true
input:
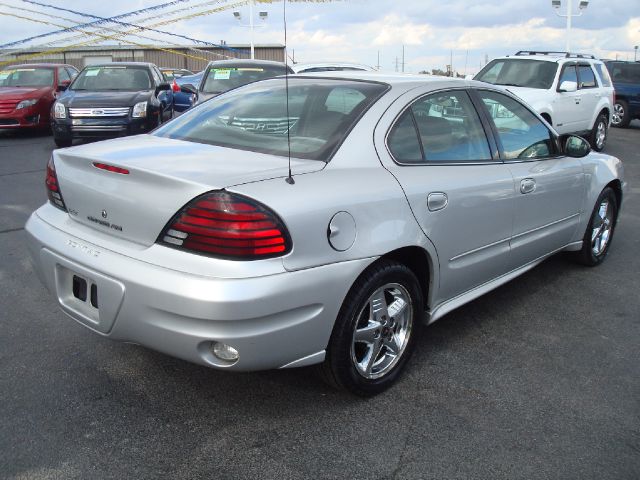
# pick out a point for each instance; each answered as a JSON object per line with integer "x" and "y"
{"x": 568, "y": 107}
{"x": 549, "y": 187}
{"x": 459, "y": 191}
{"x": 588, "y": 88}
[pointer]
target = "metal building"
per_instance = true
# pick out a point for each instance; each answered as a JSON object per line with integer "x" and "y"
{"x": 191, "y": 57}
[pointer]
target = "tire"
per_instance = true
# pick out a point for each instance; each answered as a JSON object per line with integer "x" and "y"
{"x": 372, "y": 364}
{"x": 599, "y": 133}
{"x": 621, "y": 116}
{"x": 62, "y": 142}
{"x": 599, "y": 234}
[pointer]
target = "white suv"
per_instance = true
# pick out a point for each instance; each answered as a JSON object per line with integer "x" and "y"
{"x": 572, "y": 92}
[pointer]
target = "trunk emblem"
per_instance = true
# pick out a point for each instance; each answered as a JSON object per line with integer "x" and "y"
{"x": 104, "y": 214}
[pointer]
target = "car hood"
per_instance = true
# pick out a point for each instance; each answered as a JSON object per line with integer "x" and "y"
{"x": 88, "y": 99}
{"x": 529, "y": 95}
{"x": 164, "y": 175}
{"x": 23, "y": 93}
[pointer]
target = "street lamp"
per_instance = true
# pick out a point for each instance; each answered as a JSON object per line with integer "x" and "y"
{"x": 635, "y": 53}
{"x": 556, "y": 4}
{"x": 263, "y": 16}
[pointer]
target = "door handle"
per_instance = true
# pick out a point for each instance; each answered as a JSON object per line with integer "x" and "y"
{"x": 437, "y": 201}
{"x": 527, "y": 185}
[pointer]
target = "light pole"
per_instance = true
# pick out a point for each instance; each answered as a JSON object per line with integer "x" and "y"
{"x": 251, "y": 25}
{"x": 556, "y": 4}
{"x": 635, "y": 53}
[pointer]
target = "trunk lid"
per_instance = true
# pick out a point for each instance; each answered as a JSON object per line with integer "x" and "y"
{"x": 164, "y": 175}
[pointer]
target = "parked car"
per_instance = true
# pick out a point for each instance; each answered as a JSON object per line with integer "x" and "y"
{"x": 330, "y": 67}
{"x": 28, "y": 91}
{"x": 626, "y": 81}
{"x": 172, "y": 73}
{"x": 571, "y": 91}
{"x": 183, "y": 100}
{"x": 110, "y": 100}
{"x": 224, "y": 75}
{"x": 326, "y": 242}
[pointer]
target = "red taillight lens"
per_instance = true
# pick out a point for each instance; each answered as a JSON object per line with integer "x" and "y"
{"x": 111, "y": 168}
{"x": 175, "y": 87}
{"x": 226, "y": 225}
{"x": 53, "y": 188}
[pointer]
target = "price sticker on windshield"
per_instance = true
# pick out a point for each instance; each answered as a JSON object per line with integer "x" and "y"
{"x": 219, "y": 74}
{"x": 5, "y": 73}
{"x": 92, "y": 72}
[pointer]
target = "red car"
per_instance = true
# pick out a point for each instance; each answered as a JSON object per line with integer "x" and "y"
{"x": 28, "y": 91}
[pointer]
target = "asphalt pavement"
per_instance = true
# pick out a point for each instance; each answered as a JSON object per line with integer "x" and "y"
{"x": 539, "y": 379}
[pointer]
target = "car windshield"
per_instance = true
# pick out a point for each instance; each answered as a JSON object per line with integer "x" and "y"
{"x": 321, "y": 114}
{"x": 112, "y": 78}
{"x": 26, "y": 77}
{"x": 519, "y": 73}
{"x": 222, "y": 79}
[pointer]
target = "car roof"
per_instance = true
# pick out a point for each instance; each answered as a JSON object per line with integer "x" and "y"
{"x": 384, "y": 77}
{"x": 555, "y": 57}
{"x": 244, "y": 63}
{"x": 121, "y": 64}
{"x": 39, "y": 65}
{"x": 302, "y": 66}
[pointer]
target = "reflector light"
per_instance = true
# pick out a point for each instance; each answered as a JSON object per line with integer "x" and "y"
{"x": 225, "y": 225}
{"x": 111, "y": 168}
{"x": 53, "y": 188}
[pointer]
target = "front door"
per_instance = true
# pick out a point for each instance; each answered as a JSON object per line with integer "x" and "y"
{"x": 549, "y": 187}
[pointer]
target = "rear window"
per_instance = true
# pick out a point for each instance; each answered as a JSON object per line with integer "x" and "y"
{"x": 321, "y": 114}
{"x": 519, "y": 73}
{"x": 222, "y": 79}
{"x": 26, "y": 77}
{"x": 114, "y": 77}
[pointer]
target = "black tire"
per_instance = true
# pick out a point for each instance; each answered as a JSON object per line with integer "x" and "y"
{"x": 339, "y": 368}
{"x": 62, "y": 142}
{"x": 621, "y": 112}
{"x": 588, "y": 255}
{"x": 600, "y": 127}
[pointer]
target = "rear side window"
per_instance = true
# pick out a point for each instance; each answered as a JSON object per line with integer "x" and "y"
{"x": 522, "y": 135}
{"x": 63, "y": 75}
{"x": 403, "y": 140}
{"x": 604, "y": 74}
{"x": 586, "y": 76}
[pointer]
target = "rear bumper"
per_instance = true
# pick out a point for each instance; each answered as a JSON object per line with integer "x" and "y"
{"x": 274, "y": 321}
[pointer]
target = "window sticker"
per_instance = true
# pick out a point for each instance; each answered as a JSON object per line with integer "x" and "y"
{"x": 25, "y": 69}
{"x": 219, "y": 74}
{"x": 92, "y": 72}
{"x": 5, "y": 73}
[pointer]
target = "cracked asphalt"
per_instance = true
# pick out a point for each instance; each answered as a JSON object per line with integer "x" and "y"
{"x": 539, "y": 379}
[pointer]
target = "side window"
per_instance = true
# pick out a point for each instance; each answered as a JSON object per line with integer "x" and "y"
{"x": 587, "y": 78}
{"x": 522, "y": 134}
{"x": 450, "y": 129}
{"x": 157, "y": 76}
{"x": 63, "y": 75}
{"x": 72, "y": 73}
{"x": 568, "y": 75}
{"x": 403, "y": 140}
{"x": 604, "y": 74}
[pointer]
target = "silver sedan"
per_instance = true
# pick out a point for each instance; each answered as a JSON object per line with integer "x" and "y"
{"x": 316, "y": 220}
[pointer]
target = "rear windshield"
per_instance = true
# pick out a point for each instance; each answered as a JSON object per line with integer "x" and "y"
{"x": 624, "y": 72}
{"x": 222, "y": 79}
{"x": 254, "y": 117}
{"x": 113, "y": 78}
{"x": 519, "y": 73}
{"x": 26, "y": 77}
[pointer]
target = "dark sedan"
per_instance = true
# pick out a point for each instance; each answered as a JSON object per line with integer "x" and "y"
{"x": 110, "y": 100}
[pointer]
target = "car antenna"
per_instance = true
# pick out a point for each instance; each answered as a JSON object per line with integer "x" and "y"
{"x": 289, "y": 179}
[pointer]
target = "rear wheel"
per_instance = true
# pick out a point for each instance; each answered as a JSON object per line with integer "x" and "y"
{"x": 599, "y": 133}
{"x": 621, "y": 117}
{"x": 597, "y": 238}
{"x": 375, "y": 331}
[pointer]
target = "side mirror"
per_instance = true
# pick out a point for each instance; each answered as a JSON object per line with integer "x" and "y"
{"x": 568, "y": 86}
{"x": 188, "y": 88}
{"x": 576, "y": 147}
{"x": 63, "y": 86}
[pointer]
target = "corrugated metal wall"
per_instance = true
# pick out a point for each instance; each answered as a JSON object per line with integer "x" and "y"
{"x": 191, "y": 59}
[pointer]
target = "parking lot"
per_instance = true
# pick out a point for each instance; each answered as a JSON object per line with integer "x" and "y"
{"x": 537, "y": 379}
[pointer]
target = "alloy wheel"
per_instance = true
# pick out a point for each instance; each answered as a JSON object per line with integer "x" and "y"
{"x": 382, "y": 332}
{"x": 601, "y": 232}
{"x": 601, "y": 134}
{"x": 618, "y": 114}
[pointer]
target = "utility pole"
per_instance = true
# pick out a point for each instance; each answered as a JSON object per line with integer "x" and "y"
{"x": 635, "y": 53}
{"x": 402, "y": 58}
{"x": 378, "y": 65}
{"x": 451, "y": 61}
{"x": 466, "y": 58}
{"x": 396, "y": 64}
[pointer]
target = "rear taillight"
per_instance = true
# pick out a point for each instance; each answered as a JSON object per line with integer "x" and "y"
{"x": 226, "y": 225}
{"x": 53, "y": 187}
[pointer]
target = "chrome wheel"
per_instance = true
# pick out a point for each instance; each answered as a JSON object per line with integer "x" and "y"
{"x": 601, "y": 231}
{"x": 382, "y": 332}
{"x": 601, "y": 134}
{"x": 618, "y": 114}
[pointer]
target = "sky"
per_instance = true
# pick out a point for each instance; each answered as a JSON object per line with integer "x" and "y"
{"x": 434, "y": 33}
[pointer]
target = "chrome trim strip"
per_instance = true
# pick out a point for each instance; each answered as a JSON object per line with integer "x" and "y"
{"x": 479, "y": 249}
{"x": 99, "y": 112}
{"x": 545, "y": 226}
{"x": 98, "y": 128}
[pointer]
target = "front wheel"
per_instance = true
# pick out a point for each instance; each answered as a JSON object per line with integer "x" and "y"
{"x": 597, "y": 238}
{"x": 621, "y": 117}
{"x": 599, "y": 133}
{"x": 375, "y": 331}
